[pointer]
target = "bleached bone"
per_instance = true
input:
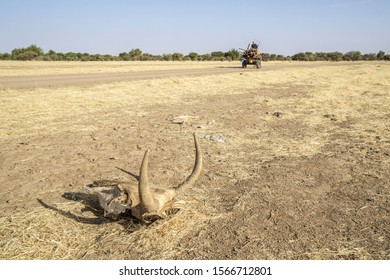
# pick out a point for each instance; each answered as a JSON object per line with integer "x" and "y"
{"x": 146, "y": 202}
{"x": 183, "y": 119}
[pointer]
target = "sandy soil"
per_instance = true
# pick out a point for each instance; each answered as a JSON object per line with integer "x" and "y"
{"x": 296, "y": 165}
{"x": 96, "y": 78}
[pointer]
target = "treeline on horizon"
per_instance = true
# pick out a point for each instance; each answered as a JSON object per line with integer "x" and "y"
{"x": 34, "y": 52}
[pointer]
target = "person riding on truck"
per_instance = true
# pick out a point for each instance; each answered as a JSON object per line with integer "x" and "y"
{"x": 254, "y": 46}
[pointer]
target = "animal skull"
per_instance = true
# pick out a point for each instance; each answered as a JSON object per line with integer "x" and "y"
{"x": 147, "y": 203}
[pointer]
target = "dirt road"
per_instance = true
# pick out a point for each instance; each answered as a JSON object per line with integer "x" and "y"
{"x": 89, "y": 79}
{"x": 82, "y": 79}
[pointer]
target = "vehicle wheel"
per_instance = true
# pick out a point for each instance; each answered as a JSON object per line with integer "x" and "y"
{"x": 244, "y": 64}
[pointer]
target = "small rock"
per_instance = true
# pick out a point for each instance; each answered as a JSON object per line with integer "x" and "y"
{"x": 215, "y": 137}
{"x": 277, "y": 114}
{"x": 183, "y": 119}
{"x": 331, "y": 117}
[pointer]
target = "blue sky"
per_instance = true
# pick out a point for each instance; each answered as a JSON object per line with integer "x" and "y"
{"x": 167, "y": 26}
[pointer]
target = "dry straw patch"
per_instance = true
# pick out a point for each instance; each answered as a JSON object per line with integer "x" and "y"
{"x": 42, "y": 234}
{"x": 63, "y": 233}
{"x": 356, "y": 95}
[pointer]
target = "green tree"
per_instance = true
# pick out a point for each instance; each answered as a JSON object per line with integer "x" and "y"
{"x": 135, "y": 54}
{"x": 217, "y": 54}
{"x": 29, "y": 53}
{"x": 177, "y": 56}
{"x": 193, "y": 56}
{"x": 36, "y": 50}
{"x": 5, "y": 56}
{"x": 16, "y": 53}
{"x": 26, "y": 55}
{"x": 204, "y": 57}
{"x": 335, "y": 56}
{"x": 233, "y": 54}
{"x": 310, "y": 56}
{"x": 125, "y": 56}
{"x": 51, "y": 56}
{"x": 167, "y": 57}
{"x": 369, "y": 56}
{"x": 380, "y": 55}
{"x": 299, "y": 57}
{"x": 150, "y": 57}
{"x": 70, "y": 56}
{"x": 85, "y": 57}
{"x": 353, "y": 56}
{"x": 321, "y": 56}
{"x": 266, "y": 56}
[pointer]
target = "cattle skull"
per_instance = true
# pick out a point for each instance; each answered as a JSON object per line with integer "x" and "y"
{"x": 147, "y": 203}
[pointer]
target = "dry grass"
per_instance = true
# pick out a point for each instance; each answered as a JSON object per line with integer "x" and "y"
{"x": 57, "y": 107}
{"x": 337, "y": 92}
{"x": 66, "y": 232}
{"x": 327, "y": 91}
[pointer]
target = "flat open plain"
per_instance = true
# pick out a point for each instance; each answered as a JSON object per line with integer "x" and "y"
{"x": 296, "y": 159}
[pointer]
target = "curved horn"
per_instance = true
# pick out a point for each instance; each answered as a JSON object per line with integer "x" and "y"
{"x": 190, "y": 181}
{"x": 145, "y": 195}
